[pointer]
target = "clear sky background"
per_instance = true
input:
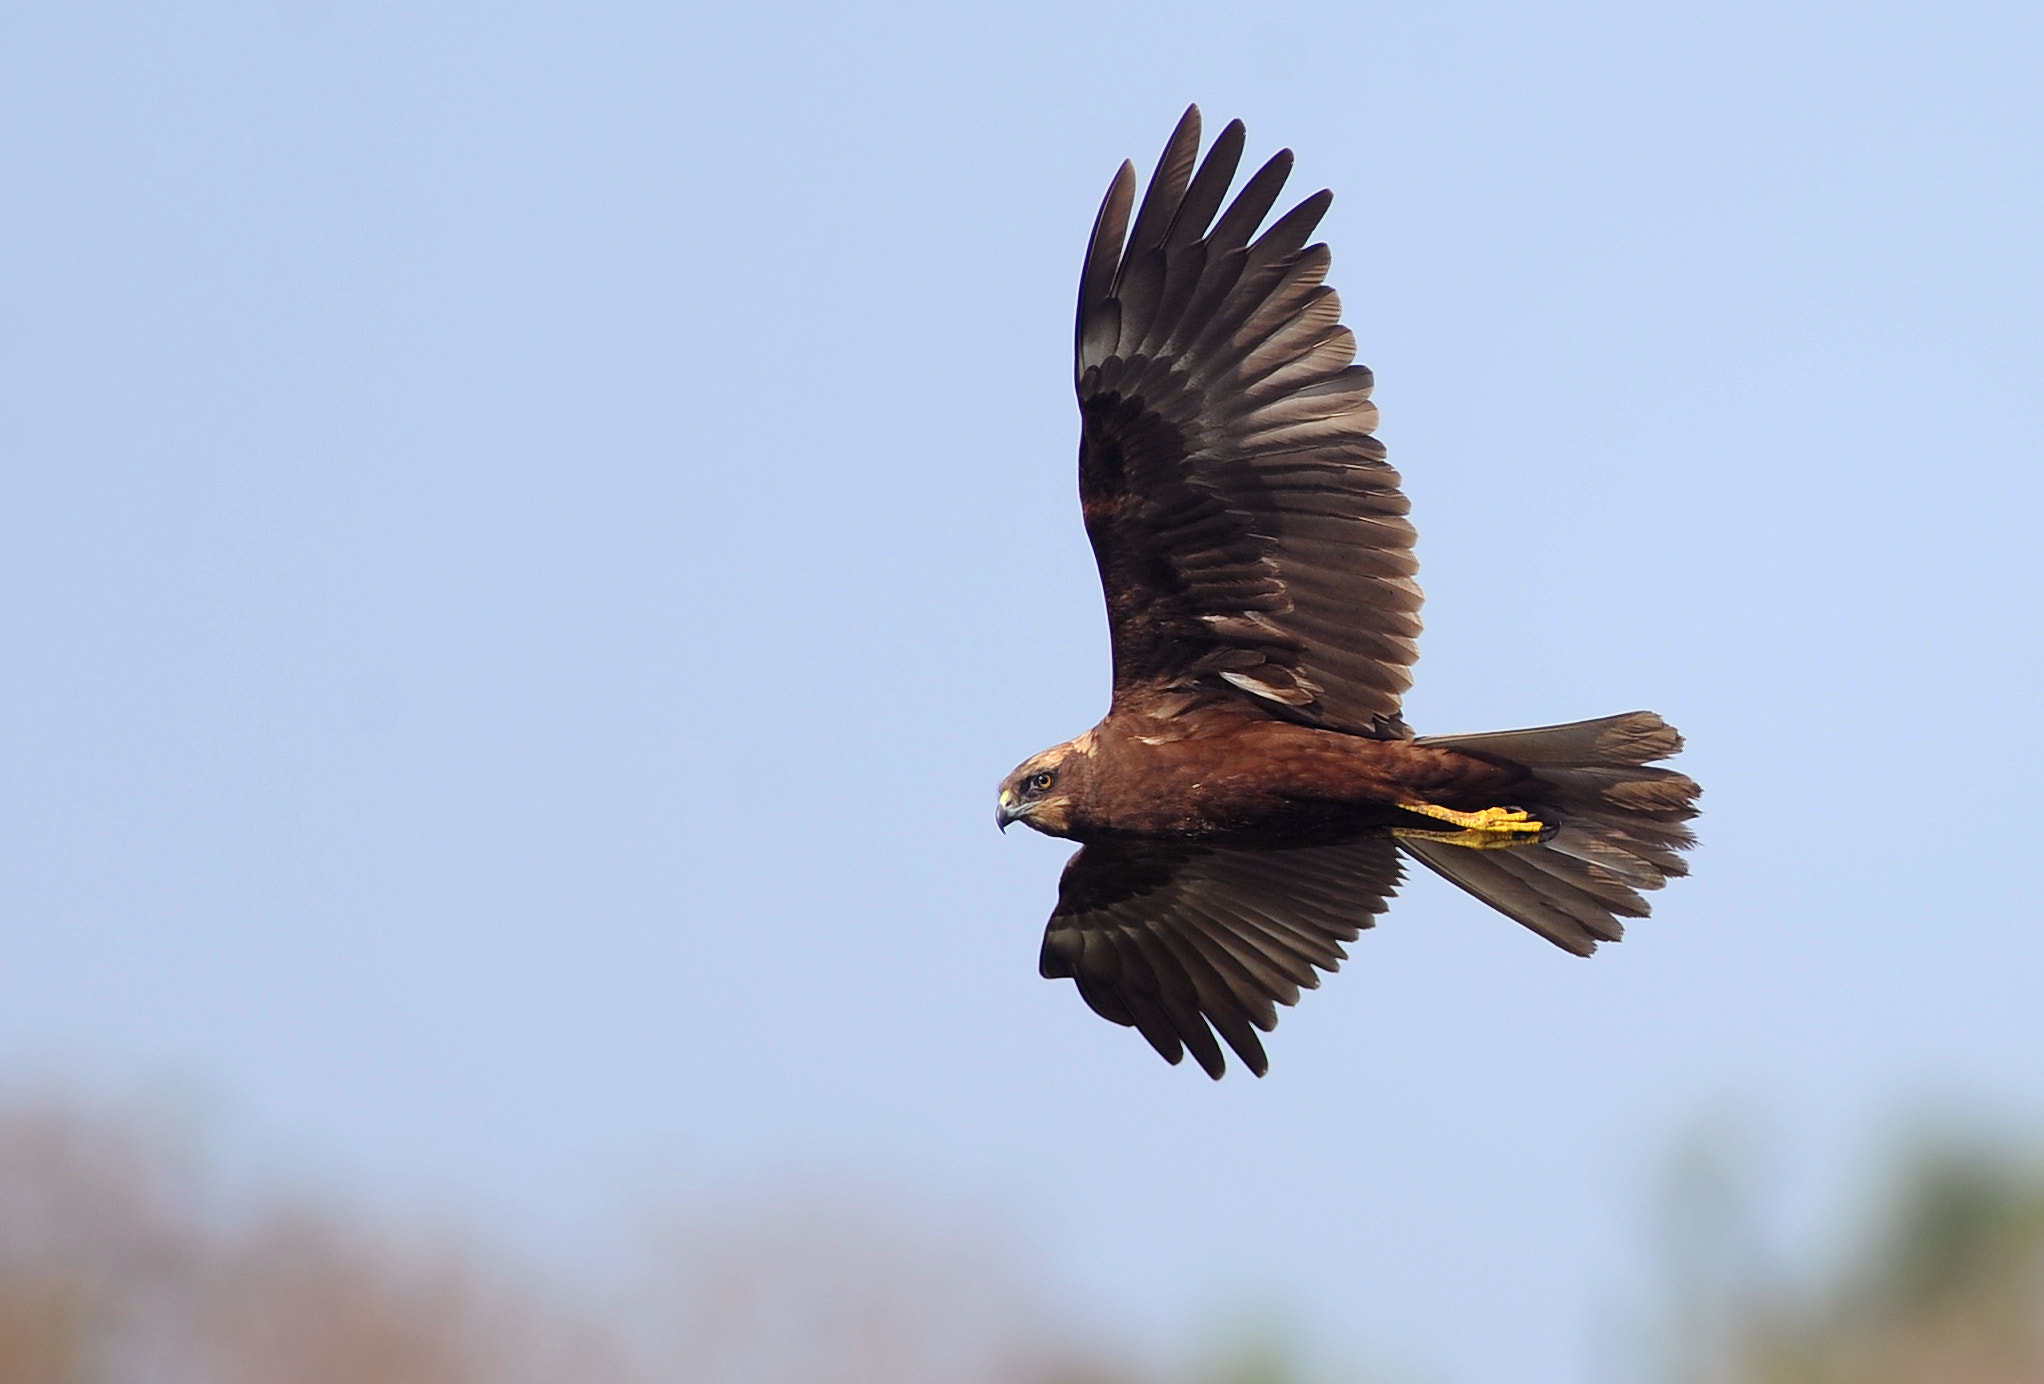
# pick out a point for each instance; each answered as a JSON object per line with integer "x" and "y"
{"x": 529, "y": 535}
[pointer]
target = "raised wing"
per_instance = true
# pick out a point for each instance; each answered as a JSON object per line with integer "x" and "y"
{"x": 1169, "y": 938}
{"x": 1251, "y": 539}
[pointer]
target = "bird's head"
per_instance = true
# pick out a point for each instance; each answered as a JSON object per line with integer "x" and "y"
{"x": 1042, "y": 790}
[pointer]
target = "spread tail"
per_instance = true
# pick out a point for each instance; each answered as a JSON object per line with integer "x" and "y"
{"x": 1619, "y": 827}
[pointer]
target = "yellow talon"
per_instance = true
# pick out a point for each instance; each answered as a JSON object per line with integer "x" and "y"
{"x": 1493, "y": 828}
{"x": 1489, "y": 819}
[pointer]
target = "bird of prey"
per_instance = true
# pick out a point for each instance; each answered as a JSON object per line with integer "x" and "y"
{"x": 1243, "y": 807}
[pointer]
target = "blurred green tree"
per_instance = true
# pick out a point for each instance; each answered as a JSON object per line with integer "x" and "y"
{"x": 1943, "y": 1285}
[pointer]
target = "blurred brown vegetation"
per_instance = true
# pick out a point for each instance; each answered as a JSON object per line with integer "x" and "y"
{"x": 121, "y": 1262}
{"x": 114, "y": 1268}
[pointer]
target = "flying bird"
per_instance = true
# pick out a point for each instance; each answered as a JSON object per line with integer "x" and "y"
{"x": 1243, "y": 808}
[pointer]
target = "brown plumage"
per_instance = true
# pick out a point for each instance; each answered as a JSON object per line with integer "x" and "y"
{"x": 1244, "y": 803}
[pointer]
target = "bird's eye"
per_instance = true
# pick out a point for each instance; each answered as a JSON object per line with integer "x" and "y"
{"x": 1042, "y": 779}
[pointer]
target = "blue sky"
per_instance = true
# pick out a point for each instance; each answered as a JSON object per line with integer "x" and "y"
{"x": 530, "y": 535}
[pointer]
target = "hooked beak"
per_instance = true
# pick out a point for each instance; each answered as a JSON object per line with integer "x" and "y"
{"x": 1005, "y": 812}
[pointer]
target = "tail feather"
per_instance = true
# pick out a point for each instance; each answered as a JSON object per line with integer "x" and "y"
{"x": 1620, "y": 826}
{"x": 1618, "y": 742}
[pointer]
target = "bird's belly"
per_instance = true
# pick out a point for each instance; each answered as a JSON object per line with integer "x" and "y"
{"x": 1231, "y": 816}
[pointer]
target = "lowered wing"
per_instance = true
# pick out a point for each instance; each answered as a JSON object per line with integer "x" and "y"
{"x": 1182, "y": 941}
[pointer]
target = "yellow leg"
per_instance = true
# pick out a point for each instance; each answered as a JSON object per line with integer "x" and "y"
{"x": 1492, "y": 829}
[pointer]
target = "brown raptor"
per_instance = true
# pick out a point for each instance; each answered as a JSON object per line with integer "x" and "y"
{"x": 1244, "y": 804}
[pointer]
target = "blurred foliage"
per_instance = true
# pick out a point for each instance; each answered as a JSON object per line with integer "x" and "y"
{"x": 1942, "y": 1284}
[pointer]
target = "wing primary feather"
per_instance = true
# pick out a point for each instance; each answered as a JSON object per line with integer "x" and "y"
{"x": 1209, "y": 186}
{"x": 1103, "y": 256}
{"x": 1217, "y": 1000}
{"x": 1260, "y": 275}
{"x": 1252, "y": 204}
{"x": 1289, "y": 233}
{"x": 1146, "y": 1011}
{"x": 1179, "y": 998}
{"x": 1183, "y": 266}
{"x": 1161, "y": 199}
{"x": 1227, "y": 252}
{"x": 1183, "y": 256}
